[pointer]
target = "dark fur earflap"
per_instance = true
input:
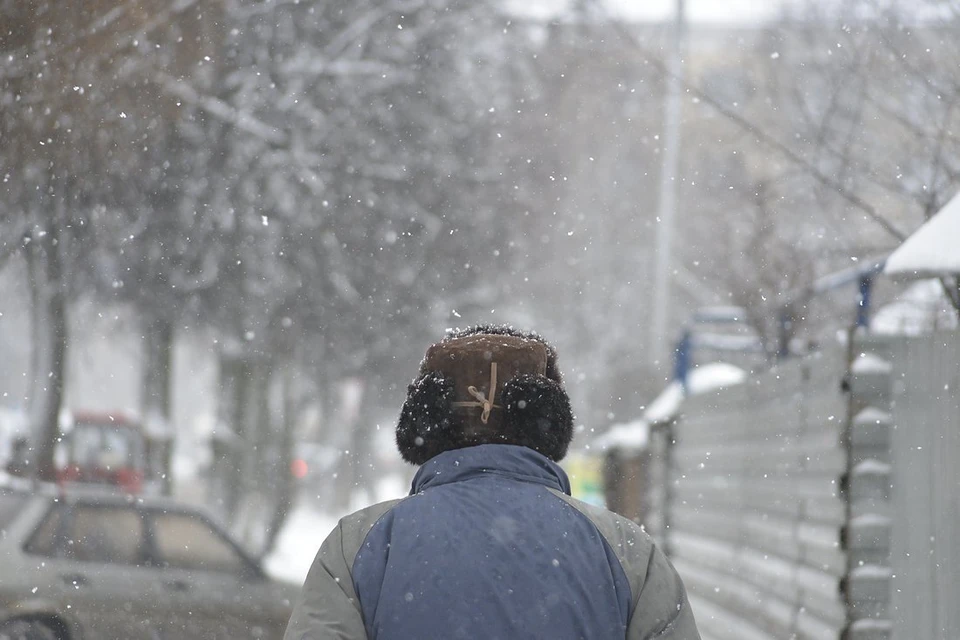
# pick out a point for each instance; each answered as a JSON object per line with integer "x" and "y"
{"x": 427, "y": 424}
{"x": 537, "y": 415}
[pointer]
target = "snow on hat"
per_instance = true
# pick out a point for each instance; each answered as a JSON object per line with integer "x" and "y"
{"x": 489, "y": 384}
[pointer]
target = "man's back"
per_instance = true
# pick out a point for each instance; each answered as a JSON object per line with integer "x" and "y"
{"x": 483, "y": 549}
{"x": 489, "y": 544}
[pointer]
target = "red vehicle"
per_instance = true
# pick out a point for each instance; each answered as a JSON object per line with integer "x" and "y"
{"x": 103, "y": 449}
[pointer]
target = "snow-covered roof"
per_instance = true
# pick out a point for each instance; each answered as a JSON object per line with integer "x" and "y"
{"x": 666, "y": 405}
{"x": 629, "y": 436}
{"x": 920, "y": 308}
{"x": 701, "y": 379}
{"x": 932, "y": 249}
{"x": 634, "y": 436}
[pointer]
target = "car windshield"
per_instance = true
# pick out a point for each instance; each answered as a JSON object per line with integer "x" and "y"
{"x": 184, "y": 541}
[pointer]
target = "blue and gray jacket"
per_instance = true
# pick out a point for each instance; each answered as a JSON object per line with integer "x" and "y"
{"x": 490, "y": 545}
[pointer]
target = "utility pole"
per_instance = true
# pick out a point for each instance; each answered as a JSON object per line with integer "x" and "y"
{"x": 673, "y": 106}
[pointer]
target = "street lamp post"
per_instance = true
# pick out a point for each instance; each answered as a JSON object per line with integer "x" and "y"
{"x": 673, "y": 106}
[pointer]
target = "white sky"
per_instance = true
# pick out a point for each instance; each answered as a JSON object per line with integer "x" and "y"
{"x": 707, "y": 11}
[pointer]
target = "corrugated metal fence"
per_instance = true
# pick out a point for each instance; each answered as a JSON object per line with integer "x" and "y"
{"x": 820, "y": 499}
{"x": 754, "y": 515}
{"x": 925, "y": 496}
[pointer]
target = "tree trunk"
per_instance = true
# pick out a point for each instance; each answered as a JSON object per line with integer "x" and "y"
{"x": 226, "y": 474}
{"x": 364, "y": 433}
{"x": 54, "y": 332}
{"x": 252, "y": 428}
{"x": 156, "y": 398}
{"x": 283, "y": 477}
{"x": 349, "y": 417}
{"x": 36, "y": 279}
{"x": 255, "y": 458}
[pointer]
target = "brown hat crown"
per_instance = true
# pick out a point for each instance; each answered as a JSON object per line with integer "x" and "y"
{"x": 488, "y": 384}
{"x": 479, "y": 365}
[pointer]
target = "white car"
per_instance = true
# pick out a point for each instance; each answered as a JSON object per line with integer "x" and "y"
{"x": 101, "y": 567}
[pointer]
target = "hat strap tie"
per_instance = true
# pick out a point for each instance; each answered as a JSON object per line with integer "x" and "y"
{"x": 481, "y": 399}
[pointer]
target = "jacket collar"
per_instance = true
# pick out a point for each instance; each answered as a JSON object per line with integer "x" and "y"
{"x": 506, "y": 460}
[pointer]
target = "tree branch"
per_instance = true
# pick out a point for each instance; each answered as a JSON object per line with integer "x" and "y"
{"x": 213, "y": 105}
{"x": 769, "y": 140}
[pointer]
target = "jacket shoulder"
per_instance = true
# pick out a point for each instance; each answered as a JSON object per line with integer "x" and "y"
{"x": 328, "y": 606}
{"x": 632, "y": 545}
{"x": 355, "y": 527}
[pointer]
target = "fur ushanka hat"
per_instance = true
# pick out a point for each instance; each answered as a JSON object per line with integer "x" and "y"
{"x": 488, "y": 384}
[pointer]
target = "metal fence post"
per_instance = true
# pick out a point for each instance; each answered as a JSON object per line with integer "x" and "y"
{"x": 866, "y": 490}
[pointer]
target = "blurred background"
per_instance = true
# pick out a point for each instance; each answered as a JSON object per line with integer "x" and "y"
{"x": 235, "y": 226}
